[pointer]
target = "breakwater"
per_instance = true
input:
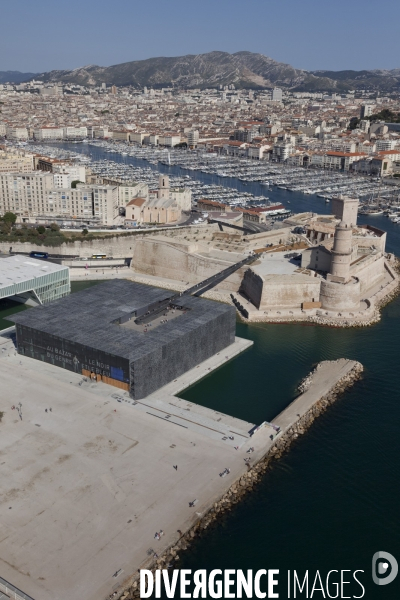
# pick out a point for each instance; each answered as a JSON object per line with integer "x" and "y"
{"x": 319, "y": 390}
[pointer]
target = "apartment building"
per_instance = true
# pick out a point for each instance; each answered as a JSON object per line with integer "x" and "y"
{"x": 105, "y": 203}
{"x": 193, "y": 138}
{"x": 340, "y": 161}
{"x": 66, "y": 174}
{"x": 33, "y": 194}
{"x": 48, "y": 133}
{"x": 85, "y": 202}
{"x": 137, "y": 137}
{"x": 14, "y": 163}
{"x": 281, "y": 151}
{"x": 385, "y": 145}
{"x": 169, "y": 140}
{"x": 120, "y": 135}
{"x": 277, "y": 95}
{"x": 17, "y": 133}
{"x": 25, "y": 194}
{"x": 74, "y": 132}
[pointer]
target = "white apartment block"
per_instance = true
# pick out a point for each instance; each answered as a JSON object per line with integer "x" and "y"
{"x": 100, "y": 132}
{"x": 73, "y": 203}
{"x": 64, "y": 175}
{"x": 74, "y": 132}
{"x": 48, "y": 133}
{"x": 62, "y": 180}
{"x": 137, "y": 137}
{"x": 385, "y": 145}
{"x": 192, "y": 138}
{"x": 17, "y": 133}
{"x": 85, "y": 202}
{"x": 25, "y": 194}
{"x": 13, "y": 163}
{"x": 33, "y": 195}
{"x": 277, "y": 95}
{"x": 120, "y": 136}
{"x": 281, "y": 151}
{"x": 169, "y": 140}
{"x": 105, "y": 203}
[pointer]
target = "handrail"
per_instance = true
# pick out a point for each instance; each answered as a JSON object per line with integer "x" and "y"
{"x": 8, "y": 589}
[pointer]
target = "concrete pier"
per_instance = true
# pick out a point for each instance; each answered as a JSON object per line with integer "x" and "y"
{"x": 87, "y": 484}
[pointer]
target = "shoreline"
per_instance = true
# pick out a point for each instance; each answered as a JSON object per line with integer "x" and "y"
{"x": 372, "y": 316}
{"x": 290, "y": 430}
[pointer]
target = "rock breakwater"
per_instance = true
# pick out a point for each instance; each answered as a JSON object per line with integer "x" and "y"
{"x": 280, "y": 444}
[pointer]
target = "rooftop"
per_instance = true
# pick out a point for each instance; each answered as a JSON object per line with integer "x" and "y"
{"x": 90, "y": 318}
{"x": 18, "y": 269}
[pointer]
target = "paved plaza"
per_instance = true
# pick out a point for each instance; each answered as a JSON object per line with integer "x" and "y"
{"x": 90, "y": 475}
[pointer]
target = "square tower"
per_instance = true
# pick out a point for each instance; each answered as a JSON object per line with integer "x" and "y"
{"x": 345, "y": 209}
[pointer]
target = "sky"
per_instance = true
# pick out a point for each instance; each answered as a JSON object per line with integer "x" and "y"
{"x": 308, "y": 34}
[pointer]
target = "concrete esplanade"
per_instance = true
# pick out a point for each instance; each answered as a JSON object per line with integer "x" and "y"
{"x": 90, "y": 475}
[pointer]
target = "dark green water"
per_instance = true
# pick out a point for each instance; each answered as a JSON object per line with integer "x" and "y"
{"x": 332, "y": 502}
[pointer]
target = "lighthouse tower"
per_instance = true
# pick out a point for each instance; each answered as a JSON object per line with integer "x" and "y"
{"x": 341, "y": 254}
{"x": 340, "y": 291}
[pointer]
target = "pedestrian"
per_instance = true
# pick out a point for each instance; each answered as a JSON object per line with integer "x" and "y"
{"x": 45, "y": 410}
{"x": 176, "y": 467}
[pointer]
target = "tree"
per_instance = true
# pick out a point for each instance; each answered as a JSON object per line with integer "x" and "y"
{"x": 54, "y": 227}
{"x": 85, "y": 231}
{"x": 5, "y": 228}
{"x": 354, "y": 123}
{"x": 9, "y": 217}
{"x": 74, "y": 183}
{"x": 41, "y": 229}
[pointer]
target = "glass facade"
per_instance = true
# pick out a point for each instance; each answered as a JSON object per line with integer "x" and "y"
{"x": 47, "y": 286}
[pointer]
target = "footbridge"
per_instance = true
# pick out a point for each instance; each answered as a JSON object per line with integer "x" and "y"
{"x": 151, "y": 311}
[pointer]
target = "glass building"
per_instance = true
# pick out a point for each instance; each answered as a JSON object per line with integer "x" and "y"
{"x": 30, "y": 279}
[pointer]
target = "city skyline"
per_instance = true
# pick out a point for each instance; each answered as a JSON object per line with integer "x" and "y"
{"x": 346, "y": 38}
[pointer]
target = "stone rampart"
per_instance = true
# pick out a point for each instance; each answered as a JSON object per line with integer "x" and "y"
{"x": 172, "y": 260}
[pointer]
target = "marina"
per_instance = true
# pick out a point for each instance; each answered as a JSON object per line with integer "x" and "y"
{"x": 235, "y": 181}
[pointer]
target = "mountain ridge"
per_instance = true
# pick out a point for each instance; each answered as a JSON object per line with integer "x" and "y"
{"x": 243, "y": 69}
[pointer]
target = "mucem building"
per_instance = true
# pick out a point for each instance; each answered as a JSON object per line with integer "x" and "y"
{"x": 94, "y": 332}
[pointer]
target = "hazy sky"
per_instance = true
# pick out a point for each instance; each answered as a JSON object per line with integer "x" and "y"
{"x": 309, "y": 34}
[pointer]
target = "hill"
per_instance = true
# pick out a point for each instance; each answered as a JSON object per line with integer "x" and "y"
{"x": 15, "y": 76}
{"x": 242, "y": 69}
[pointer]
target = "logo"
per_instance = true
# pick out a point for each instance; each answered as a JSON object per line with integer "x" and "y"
{"x": 384, "y": 568}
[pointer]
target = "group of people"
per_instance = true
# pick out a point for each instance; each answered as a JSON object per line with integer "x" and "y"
{"x": 158, "y": 534}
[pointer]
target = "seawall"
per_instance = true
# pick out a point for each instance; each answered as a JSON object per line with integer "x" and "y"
{"x": 319, "y": 390}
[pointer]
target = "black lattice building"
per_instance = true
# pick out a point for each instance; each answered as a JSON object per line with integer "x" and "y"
{"x": 93, "y": 332}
